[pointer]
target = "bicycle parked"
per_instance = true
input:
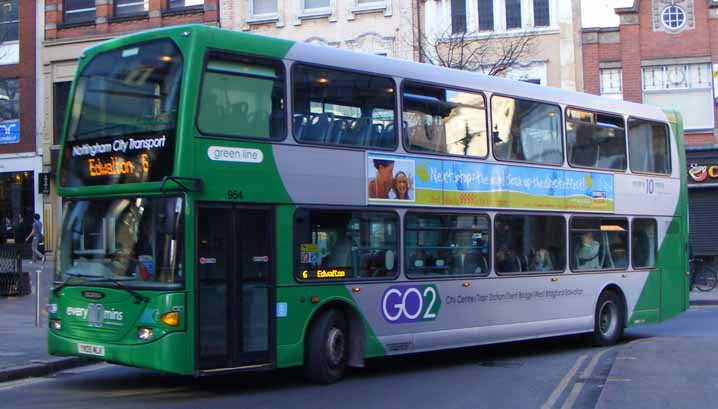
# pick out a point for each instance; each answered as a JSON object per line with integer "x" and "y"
{"x": 703, "y": 278}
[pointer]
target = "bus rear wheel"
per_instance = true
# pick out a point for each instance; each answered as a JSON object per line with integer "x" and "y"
{"x": 609, "y": 319}
{"x": 326, "y": 348}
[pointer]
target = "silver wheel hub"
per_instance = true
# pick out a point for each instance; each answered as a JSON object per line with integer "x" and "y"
{"x": 608, "y": 318}
{"x": 335, "y": 346}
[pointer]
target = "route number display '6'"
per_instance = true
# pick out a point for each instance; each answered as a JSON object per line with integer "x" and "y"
{"x": 410, "y": 303}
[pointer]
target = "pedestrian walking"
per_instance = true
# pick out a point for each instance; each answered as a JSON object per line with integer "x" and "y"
{"x": 36, "y": 235}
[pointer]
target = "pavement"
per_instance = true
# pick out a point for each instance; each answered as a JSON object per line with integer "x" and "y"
{"x": 23, "y": 346}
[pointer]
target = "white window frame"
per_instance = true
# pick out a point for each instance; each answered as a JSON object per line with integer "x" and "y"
{"x": 527, "y": 18}
{"x": 612, "y": 93}
{"x": 253, "y": 17}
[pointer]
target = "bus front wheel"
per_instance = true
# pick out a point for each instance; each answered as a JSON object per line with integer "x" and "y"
{"x": 609, "y": 319}
{"x": 326, "y": 348}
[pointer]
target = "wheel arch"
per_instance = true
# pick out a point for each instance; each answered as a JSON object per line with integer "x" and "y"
{"x": 355, "y": 325}
{"x": 612, "y": 286}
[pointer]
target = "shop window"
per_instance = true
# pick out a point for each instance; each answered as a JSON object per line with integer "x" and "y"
{"x": 529, "y": 244}
{"x": 526, "y": 130}
{"x": 444, "y": 121}
{"x": 598, "y": 244}
{"x": 345, "y": 244}
{"x": 446, "y": 244}
{"x": 17, "y": 206}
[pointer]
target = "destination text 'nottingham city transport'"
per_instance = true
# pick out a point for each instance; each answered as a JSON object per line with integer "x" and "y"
{"x": 236, "y": 202}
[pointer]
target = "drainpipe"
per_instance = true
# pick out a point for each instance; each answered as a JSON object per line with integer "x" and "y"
{"x": 418, "y": 30}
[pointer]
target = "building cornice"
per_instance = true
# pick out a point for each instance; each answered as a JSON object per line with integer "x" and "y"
{"x": 630, "y": 9}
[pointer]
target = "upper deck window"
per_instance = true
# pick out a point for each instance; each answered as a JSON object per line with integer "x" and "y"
{"x": 333, "y": 107}
{"x": 79, "y": 11}
{"x": 526, "y": 131}
{"x": 445, "y": 121}
{"x": 242, "y": 97}
{"x": 595, "y": 140}
{"x": 649, "y": 146}
{"x": 127, "y": 91}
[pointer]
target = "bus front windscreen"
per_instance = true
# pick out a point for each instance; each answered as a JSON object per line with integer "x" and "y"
{"x": 135, "y": 240}
{"x": 127, "y": 91}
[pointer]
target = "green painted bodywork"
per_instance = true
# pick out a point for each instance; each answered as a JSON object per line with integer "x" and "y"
{"x": 174, "y": 349}
{"x": 665, "y": 293}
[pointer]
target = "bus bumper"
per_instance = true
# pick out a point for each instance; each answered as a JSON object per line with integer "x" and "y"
{"x": 170, "y": 353}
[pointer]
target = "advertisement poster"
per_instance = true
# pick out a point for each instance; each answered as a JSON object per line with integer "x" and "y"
{"x": 441, "y": 182}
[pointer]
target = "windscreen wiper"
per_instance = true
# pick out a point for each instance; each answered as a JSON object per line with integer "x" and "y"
{"x": 67, "y": 281}
{"x": 139, "y": 297}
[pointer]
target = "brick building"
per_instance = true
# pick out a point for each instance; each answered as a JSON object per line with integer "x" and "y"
{"x": 665, "y": 53}
{"x": 70, "y": 26}
{"x": 20, "y": 162}
{"x": 662, "y": 53}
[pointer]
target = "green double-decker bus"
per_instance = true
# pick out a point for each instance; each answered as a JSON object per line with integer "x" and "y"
{"x": 235, "y": 202}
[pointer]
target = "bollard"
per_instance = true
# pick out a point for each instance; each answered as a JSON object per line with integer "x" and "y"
{"x": 37, "y": 298}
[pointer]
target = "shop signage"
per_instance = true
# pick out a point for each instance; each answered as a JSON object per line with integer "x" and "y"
{"x": 10, "y": 131}
{"x": 139, "y": 158}
{"x": 43, "y": 184}
{"x": 699, "y": 173}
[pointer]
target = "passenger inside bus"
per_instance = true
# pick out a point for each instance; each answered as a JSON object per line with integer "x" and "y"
{"x": 588, "y": 253}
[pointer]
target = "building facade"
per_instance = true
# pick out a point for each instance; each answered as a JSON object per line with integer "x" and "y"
{"x": 70, "y": 26}
{"x": 20, "y": 162}
{"x": 664, "y": 53}
{"x": 554, "y": 58}
{"x": 381, "y": 27}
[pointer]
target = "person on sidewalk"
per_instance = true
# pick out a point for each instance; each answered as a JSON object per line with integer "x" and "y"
{"x": 36, "y": 235}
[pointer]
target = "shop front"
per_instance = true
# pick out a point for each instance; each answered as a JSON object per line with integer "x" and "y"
{"x": 19, "y": 196}
{"x": 702, "y": 199}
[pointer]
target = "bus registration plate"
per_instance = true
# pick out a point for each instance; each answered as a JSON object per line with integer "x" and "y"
{"x": 90, "y": 349}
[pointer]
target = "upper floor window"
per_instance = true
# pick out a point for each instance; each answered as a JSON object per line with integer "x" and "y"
{"x": 9, "y": 21}
{"x": 673, "y": 17}
{"x": 595, "y": 140}
{"x": 79, "y": 11}
{"x": 486, "y": 15}
{"x": 649, "y": 146}
{"x": 526, "y": 130}
{"x": 612, "y": 82}
{"x": 130, "y": 7}
{"x": 10, "y": 111}
{"x": 243, "y": 97}
{"x": 513, "y": 14}
{"x": 444, "y": 121}
{"x": 684, "y": 87}
{"x": 337, "y": 107}
{"x": 458, "y": 16}
{"x": 260, "y": 8}
{"x": 316, "y": 5}
{"x": 174, "y": 4}
{"x": 541, "y": 13}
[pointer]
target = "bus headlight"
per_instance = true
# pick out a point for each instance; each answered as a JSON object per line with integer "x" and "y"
{"x": 144, "y": 333}
{"x": 170, "y": 318}
{"x": 51, "y": 308}
{"x": 56, "y": 325}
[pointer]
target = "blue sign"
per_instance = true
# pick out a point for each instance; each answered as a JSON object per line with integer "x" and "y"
{"x": 10, "y": 131}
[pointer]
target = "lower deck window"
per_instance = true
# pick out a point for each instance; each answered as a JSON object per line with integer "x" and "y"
{"x": 599, "y": 244}
{"x": 446, "y": 244}
{"x": 527, "y": 243}
{"x": 345, "y": 244}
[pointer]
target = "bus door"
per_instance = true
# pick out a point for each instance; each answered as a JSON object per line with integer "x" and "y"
{"x": 235, "y": 293}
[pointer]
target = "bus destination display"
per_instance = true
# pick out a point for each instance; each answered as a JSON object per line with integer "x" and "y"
{"x": 117, "y": 160}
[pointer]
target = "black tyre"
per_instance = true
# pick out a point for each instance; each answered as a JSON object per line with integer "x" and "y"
{"x": 609, "y": 319}
{"x": 326, "y": 348}
{"x": 706, "y": 279}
